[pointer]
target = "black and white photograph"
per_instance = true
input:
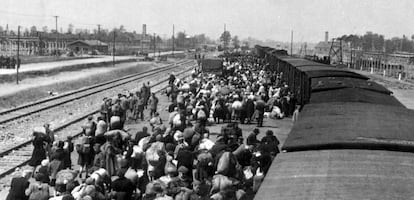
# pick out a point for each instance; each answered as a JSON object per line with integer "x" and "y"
{"x": 206, "y": 99}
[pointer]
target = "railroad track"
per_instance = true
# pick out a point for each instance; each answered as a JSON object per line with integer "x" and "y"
{"x": 35, "y": 107}
{"x": 19, "y": 155}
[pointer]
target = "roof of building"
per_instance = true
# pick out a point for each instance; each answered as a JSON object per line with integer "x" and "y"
{"x": 323, "y": 44}
{"x": 89, "y": 42}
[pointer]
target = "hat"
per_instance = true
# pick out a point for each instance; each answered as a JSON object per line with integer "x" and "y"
{"x": 256, "y": 130}
{"x": 45, "y": 162}
{"x": 178, "y": 135}
{"x": 183, "y": 169}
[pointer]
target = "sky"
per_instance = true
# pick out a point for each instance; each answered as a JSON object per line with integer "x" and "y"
{"x": 261, "y": 19}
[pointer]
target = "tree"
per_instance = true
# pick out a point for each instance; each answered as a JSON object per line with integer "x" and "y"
{"x": 406, "y": 44}
{"x": 180, "y": 40}
{"x": 225, "y": 39}
{"x": 158, "y": 39}
{"x": 245, "y": 45}
{"x": 236, "y": 42}
{"x": 26, "y": 32}
{"x": 122, "y": 29}
{"x": 33, "y": 30}
{"x": 45, "y": 29}
{"x": 70, "y": 28}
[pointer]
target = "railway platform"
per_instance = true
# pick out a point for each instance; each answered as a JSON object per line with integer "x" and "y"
{"x": 281, "y": 129}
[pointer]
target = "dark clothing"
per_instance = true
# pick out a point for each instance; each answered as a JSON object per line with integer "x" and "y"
{"x": 67, "y": 162}
{"x": 260, "y": 109}
{"x": 45, "y": 171}
{"x": 249, "y": 109}
{"x": 185, "y": 158}
{"x": 252, "y": 140}
{"x": 17, "y": 189}
{"x": 123, "y": 187}
{"x": 140, "y": 135}
{"x": 39, "y": 152}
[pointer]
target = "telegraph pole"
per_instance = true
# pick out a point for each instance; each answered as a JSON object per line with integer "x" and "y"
{"x": 18, "y": 55}
{"x": 113, "y": 50}
{"x": 154, "y": 45}
{"x": 173, "y": 42}
{"x": 291, "y": 43}
{"x": 57, "y": 34}
{"x": 99, "y": 31}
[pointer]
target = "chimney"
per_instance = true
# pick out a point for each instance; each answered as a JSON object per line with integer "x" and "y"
{"x": 144, "y": 29}
{"x": 326, "y": 36}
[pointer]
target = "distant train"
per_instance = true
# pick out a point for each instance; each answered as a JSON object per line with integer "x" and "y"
{"x": 353, "y": 139}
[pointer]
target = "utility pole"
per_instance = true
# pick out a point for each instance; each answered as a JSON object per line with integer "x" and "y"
{"x": 113, "y": 50}
{"x": 352, "y": 52}
{"x": 224, "y": 27}
{"x": 57, "y": 34}
{"x": 173, "y": 41}
{"x": 18, "y": 55}
{"x": 154, "y": 45}
{"x": 99, "y": 31}
{"x": 291, "y": 43}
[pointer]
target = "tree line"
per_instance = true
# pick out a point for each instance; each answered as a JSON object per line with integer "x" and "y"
{"x": 181, "y": 39}
{"x": 376, "y": 42}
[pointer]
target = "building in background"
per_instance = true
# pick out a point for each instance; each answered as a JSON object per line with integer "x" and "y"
{"x": 88, "y": 47}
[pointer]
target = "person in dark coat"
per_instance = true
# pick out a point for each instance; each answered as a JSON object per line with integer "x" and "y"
{"x": 18, "y": 186}
{"x": 185, "y": 158}
{"x": 270, "y": 143}
{"x": 141, "y": 134}
{"x": 260, "y": 109}
{"x": 249, "y": 109}
{"x": 122, "y": 187}
{"x": 39, "y": 152}
{"x": 68, "y": 149}
{"x": 252, "y": 138}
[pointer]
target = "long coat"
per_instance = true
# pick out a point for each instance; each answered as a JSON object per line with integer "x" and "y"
{"x": 39, "y": 152}
{"x": 17, "y": 189}
{"x": 110, "y": 152}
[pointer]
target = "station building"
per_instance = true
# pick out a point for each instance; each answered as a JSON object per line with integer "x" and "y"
{"x": 87, "y": 46}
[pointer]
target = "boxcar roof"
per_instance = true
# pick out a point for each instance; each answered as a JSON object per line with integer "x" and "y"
{"x": 300, "y": 62}
{"x": 350, "y": 125}
{"x": 339, "y": 174}
{"x": 327, "y": 71}
{"x": 354, "y": 95}
{"x": 328, "y": 83}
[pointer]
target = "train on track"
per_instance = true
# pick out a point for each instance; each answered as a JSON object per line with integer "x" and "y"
{"x": 353, "y": 139}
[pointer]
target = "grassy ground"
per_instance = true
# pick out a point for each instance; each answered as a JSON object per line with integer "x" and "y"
{"x": 34, "y": 94}
{"x": 39, "y": 59}
{"x": 49, "y": 72}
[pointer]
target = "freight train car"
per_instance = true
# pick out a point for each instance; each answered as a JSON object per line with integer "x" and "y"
{"x": 352, "y": 140}
{"x": 212, "y": 65}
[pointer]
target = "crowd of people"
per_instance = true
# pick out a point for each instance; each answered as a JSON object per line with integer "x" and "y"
{"x": 176, "y": 158}
{"x": 8, "y": 62}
